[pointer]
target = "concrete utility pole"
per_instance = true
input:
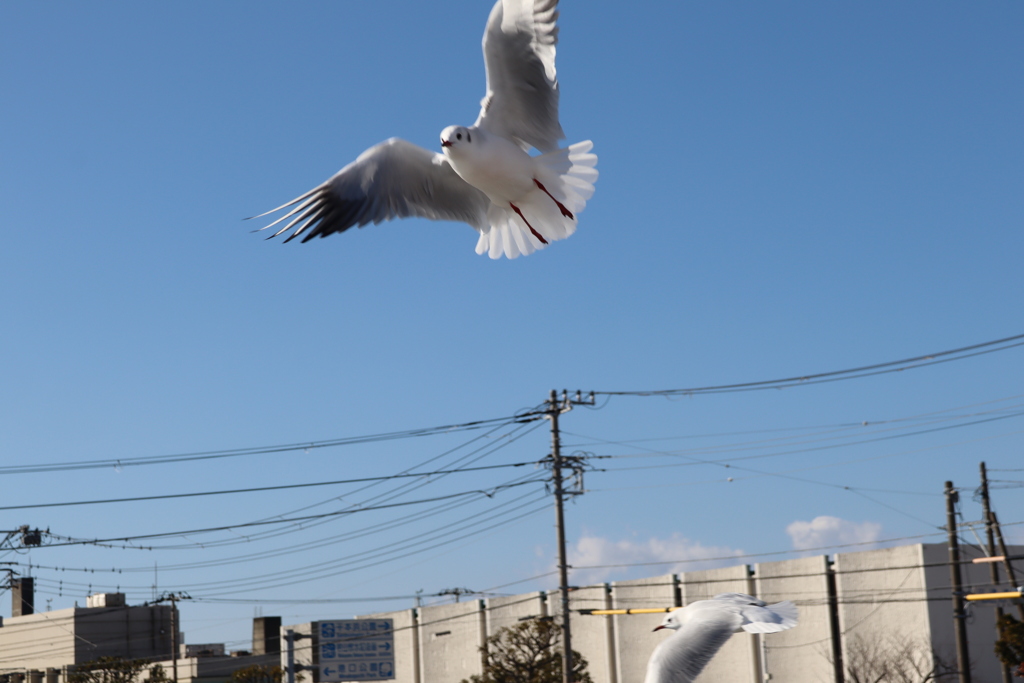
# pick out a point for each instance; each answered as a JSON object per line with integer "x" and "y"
{"x": 289, "y": 639}
{"x": 990, "y": 543}
{"x": 1006, "y": 559}
{"x": 174, "y": 635}
{"x": 173, "y": 599}
{"x": 963, "y": 660}
{"x": 556, "y": 407}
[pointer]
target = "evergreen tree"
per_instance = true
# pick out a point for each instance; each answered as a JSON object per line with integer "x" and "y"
{"x": 1010, "y": 646}
{"x": 528, "y": 652}
{"x": 108, "y": 670}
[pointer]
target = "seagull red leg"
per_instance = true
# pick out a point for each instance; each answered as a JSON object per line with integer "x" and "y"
{"x": 565, "y": 212}
{"x": 535, "y": 233}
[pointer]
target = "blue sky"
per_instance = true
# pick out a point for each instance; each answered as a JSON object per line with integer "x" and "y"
{"x": 786, "y": 188}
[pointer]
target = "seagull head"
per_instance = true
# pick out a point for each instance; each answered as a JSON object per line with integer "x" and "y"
{"x": 672, "y": 620}
{"x": 454, "y": 136}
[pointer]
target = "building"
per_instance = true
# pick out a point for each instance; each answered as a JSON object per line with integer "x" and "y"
{"x": 37, "y": 647}
{"x": 849, "y": 604}
{"x": 67, "y": 637}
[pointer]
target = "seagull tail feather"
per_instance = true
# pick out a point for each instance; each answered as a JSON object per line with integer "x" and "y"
{"x": 548, "y": 213}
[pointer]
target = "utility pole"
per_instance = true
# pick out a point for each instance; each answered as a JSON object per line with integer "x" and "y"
{"x": 174, "y": 637}
{"x": 556, "y": 407}
{"x": 1006, "y": 559}
{"x": 289, "y": 640}
{"x": 990, "y": 548}
{"x": 963, "y": 662}
{"x": 173, "y": 599}
{"x": 554, "y": 410}
{"x": 290, "y": 636}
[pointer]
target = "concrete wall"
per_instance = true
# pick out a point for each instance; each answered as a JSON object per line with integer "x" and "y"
{"x": 306, "y": 653}
{"x": 407, "y": 660}
{"x": 592, "y": 637}
{"x": 884, "y": 594}
{"x": 509, "y": 611}
{"x": 450, "y": 638}
{"x": 905, "y": 592}
{"x": 738, "y": 660}
{"x": 77, "y": 635}
{"x": 801, "y": 653}
{"x": 266, "y": 635}
{"x": 38, "y": 641}
{"x": 634, "y": 640}
{"x": 129, "y": 632}
{"x": 215, "y": 669}
{"x": 980, "y": 615}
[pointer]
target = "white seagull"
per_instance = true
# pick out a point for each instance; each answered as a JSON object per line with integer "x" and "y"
{"x": 702, "y": 627}
{"x": 485, "y": 177}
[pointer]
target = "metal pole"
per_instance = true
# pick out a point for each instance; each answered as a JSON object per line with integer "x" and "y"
{"x": 289, "y": 639}
{"x": 963, "y": 664}
{"x": 990, "y": 539}
{"x": 563, "y": 568}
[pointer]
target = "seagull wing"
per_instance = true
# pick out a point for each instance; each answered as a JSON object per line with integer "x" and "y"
{"x": 781, "y": 616}
{"x": 758, "y": 616}
{"x": 739, "y": 599}
{"x": 684, "y": 654}
{"x": 522, "y": 89}
{"x": 394, "y": 179}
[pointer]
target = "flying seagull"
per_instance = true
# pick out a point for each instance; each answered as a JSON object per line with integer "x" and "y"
{"x": 702, "y": 627}
{"x": 484, "y": 175}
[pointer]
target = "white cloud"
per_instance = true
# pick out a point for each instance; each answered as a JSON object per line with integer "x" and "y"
{"x": 675, "y": 551}
{"x": 825, "y": 531}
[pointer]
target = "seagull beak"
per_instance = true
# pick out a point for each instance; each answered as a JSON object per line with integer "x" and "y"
{"x": 658, "y": 628}
{"x": 446, "y": 143}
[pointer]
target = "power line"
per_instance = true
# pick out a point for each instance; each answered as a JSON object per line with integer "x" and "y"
{"x": 363, "y": 560}
{"x": 254, "y": 450}
{"x": 257, "y": 489}
{"x": 846, "y": 438}
{"x": 930, "y": 417}
{"x": 837, "y": 375}
{"x": 285, "y": 550}
{"x": 226, "y": 527}
{"x": 464, "y": 460}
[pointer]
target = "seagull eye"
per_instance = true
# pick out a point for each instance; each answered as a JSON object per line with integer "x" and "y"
{"x": 458, "y": 136}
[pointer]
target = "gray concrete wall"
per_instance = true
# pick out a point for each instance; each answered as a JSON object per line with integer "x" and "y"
{"x": 450, "y": 638}
{"x": 981, "y": 615}
{"x": 509, "y": 611}
{"x": 593, "y": 636}
{"x": 306, "y": 654}
{"x": 129, "y": 632}
{"x": 407, "y": 661}
{"x": 884, "y": 594}
{"x": 38, "y": 641}
{"x": 738, "y": 660}
{"x": 215, "y": 669}
{"x": 884, "y": 601}
{"x": 883, "y": 591}
{"x": 634, "y": 640}
{"x": 801, "y": 653}
{"x": 77, "y": 635}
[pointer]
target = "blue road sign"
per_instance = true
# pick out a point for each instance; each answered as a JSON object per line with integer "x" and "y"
{"x": 356, "y": 650}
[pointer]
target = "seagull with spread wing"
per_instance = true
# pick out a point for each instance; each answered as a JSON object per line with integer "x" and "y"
{"x": 485, "y": 175}
{"x": 703, "y": 627}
